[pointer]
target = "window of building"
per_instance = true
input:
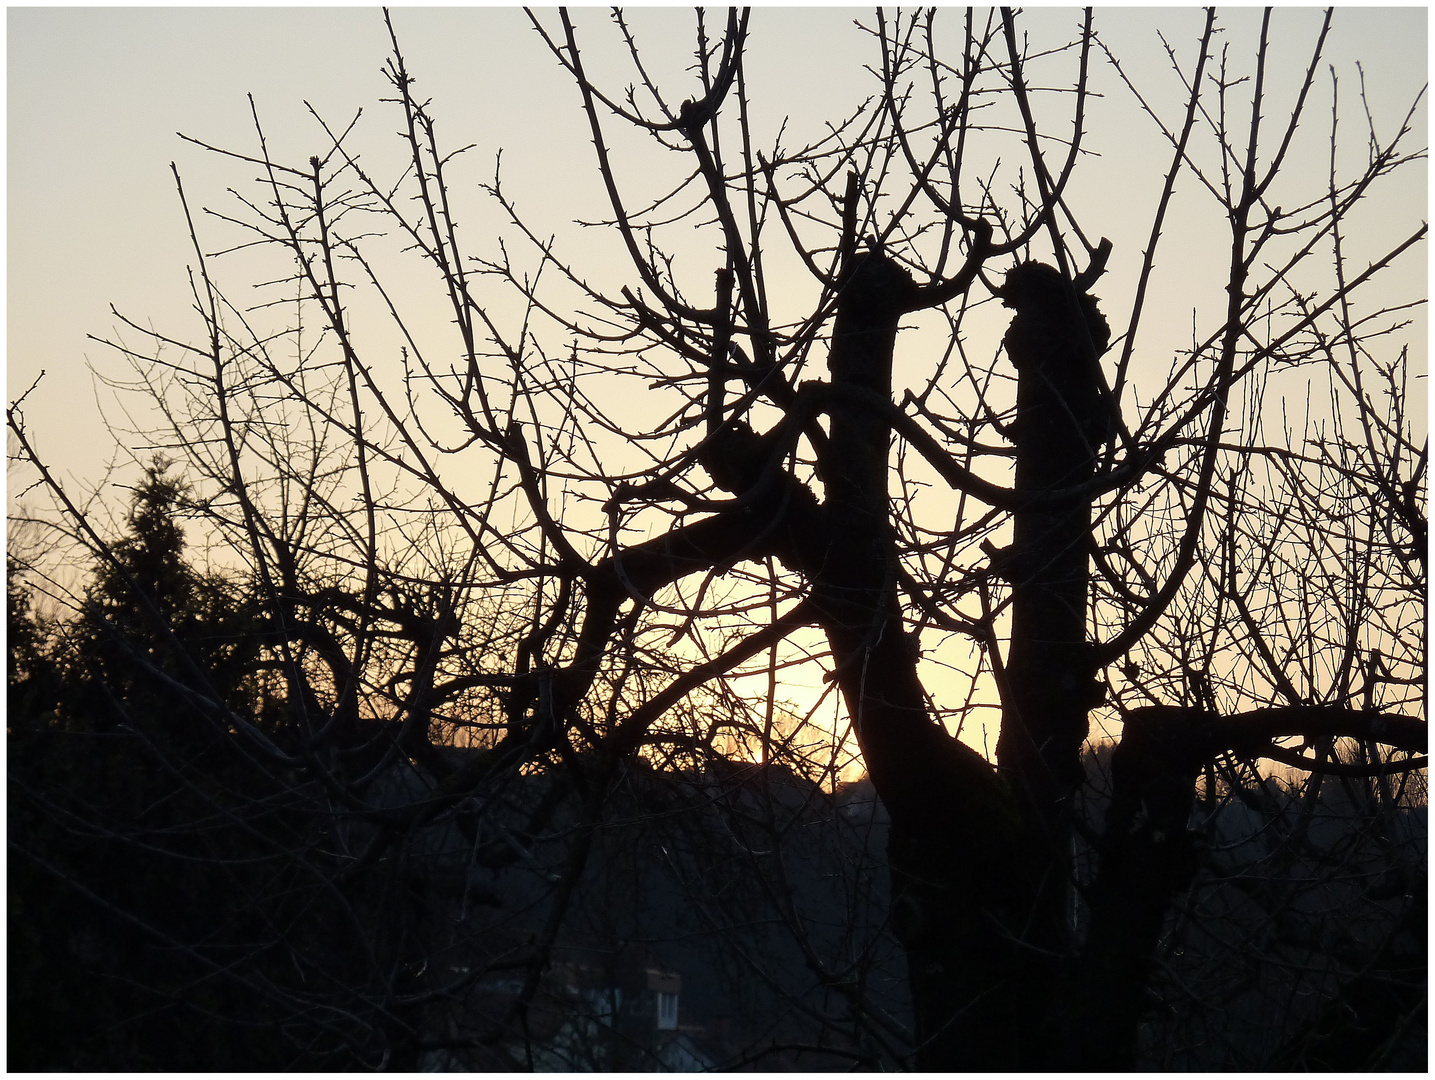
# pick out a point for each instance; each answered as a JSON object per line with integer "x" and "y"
{"x": 667, "y": 1012}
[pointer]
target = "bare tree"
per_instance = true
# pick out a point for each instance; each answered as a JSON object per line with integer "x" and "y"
{"x": 506, "y": 612}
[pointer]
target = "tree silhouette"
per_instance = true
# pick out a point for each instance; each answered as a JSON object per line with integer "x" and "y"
{"x": 125, "y": 806}
{"x": 510, "y": 573}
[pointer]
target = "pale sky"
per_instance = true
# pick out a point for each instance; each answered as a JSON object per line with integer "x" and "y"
{"x": 96, "y": 96}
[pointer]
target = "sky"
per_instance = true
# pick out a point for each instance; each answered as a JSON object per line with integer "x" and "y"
{"x": 97, "y": 97}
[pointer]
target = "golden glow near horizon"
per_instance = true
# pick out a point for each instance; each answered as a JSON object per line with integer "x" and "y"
{"x": 96, "y": 96}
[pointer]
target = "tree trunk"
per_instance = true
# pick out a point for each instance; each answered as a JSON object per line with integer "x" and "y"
{"x": 979, "y": 860}
{"x": 1062, "y": 420}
